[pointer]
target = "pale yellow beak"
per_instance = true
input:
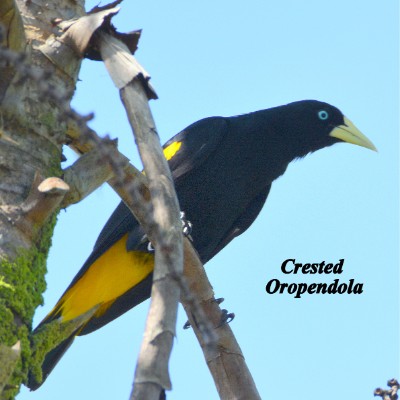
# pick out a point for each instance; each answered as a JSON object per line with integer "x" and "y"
{"x": 349, "y": 133}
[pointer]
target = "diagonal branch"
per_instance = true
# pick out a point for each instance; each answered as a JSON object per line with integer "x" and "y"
{"x": 151, "y": 376}
{"x": 90, "y": 171}
{"x": 225, "y": 359}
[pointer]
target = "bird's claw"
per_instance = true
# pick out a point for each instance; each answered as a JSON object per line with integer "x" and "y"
{"x": 186, "y": 225}
{"x": 186, "y": 230}
{"x": 226, "y": 317}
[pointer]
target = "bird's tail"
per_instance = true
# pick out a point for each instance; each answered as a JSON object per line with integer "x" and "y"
{"x": 50, "y": 361}
{"x": 50, "y": 340}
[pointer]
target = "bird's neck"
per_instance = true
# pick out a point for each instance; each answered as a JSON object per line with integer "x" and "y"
{"x": 271, "y": 137}
{"x": 263, "y": 151}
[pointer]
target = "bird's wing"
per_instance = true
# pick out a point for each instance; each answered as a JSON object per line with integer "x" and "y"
{"x": 120, "y": 222}
{"x": 184, "y": 152}
{"x": 244, "y": 221}
{"x": 191, "y": 147}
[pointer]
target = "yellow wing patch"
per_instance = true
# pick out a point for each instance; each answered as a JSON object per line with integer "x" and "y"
{"x": 109, "y": 277}
{"x": 172, "y": 149}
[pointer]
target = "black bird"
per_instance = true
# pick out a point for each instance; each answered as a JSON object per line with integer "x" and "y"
{"x": 223, "y": 169}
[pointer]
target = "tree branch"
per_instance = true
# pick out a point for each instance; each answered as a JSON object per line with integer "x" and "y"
{"x": 43, "y": 200}
{"x": 89, "y": 172}
{"x": 151, "y": 376}
{"x": 224, "y": 357}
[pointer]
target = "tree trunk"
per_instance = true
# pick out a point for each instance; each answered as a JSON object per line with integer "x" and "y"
{"x": 32, "y": 133}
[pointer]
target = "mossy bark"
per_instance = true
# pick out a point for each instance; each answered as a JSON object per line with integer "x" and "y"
{"x": 32, "y": 133}
{"x": 23, "y": 282}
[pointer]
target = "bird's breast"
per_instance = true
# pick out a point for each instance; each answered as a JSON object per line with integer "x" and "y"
{"x": 217, "y": 193}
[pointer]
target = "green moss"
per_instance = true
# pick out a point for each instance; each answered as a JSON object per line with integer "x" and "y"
{"x": 54, "y": 169}
{"x": 7, "y": 336}
{"x": 22, "y": 282}
{"x": 49, "y": 120}
{"x": 42, "y": 342}
{"x": 4, "y": 284}
{"x": 19, "y": 374}
{"x": 19, "y": 301}
{"x": 51, "y": 335}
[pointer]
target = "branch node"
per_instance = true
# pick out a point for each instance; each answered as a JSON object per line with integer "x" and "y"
{"x": 43, "y": 199}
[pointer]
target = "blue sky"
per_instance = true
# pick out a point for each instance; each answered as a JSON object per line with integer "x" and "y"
{"x": 227, "y": 58}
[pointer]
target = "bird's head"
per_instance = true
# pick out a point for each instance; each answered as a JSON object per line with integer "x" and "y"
{"x": 312, "y": 125}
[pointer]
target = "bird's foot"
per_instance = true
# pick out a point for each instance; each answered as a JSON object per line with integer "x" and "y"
{"x": 226, "y": 317}
{"x": 186, "y": 226}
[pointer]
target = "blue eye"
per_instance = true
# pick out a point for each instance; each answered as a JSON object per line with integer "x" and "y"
{"x": 323, "y": 115}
